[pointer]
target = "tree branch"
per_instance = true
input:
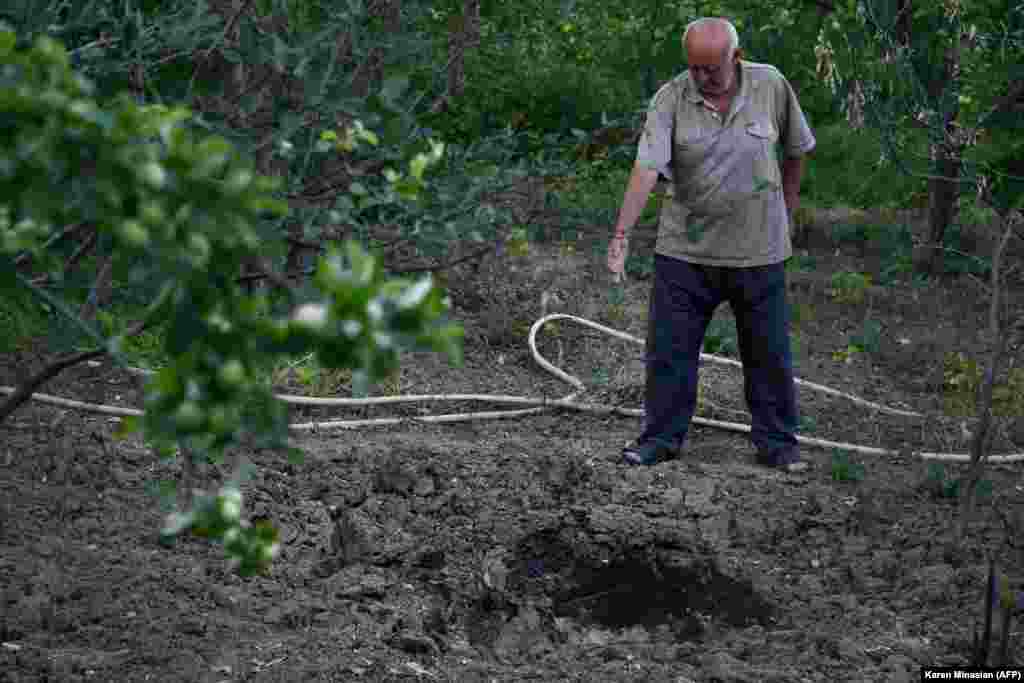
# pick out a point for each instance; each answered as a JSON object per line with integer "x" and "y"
{"x": 981, "y": 437}
{"x": 21, "y": 259}
{"x": 267, "y": 272}
{"x": 82, "y": 250}
{"x": 479, "y": 253}
{"x": 262, "y": 275}
{"x": 1001, "y": 105}
{"x": 24, "y": 392}
{"x": 228, "y": 28}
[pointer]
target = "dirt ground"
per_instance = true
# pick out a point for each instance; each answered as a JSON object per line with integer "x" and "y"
{"x": 520, "y": 549}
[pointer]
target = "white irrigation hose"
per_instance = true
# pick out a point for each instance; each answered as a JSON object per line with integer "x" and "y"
{"x": 78, "y": 405}
{"x": 542, "y": 404}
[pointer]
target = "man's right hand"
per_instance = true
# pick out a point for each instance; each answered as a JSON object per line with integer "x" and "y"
{"x": 641, "y": 182}
{"x": 618, "y": 249}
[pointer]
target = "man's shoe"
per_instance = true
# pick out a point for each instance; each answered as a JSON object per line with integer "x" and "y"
{"x": 647, "y": 454}
{"x": 785, "y": 459}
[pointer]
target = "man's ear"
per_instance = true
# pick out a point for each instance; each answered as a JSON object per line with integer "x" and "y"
{"x": 738, "y": 55}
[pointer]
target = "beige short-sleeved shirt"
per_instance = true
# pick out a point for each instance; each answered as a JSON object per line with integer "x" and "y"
{"x": 726, "y": 206}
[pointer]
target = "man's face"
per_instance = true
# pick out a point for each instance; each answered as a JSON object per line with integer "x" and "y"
{"x": 713, "y": 70}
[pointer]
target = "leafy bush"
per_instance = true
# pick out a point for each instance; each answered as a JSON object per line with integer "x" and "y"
{"x": 852, "y": 168}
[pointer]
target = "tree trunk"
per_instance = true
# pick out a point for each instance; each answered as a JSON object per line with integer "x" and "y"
{"x": 456, "y": 57}
{"x": 855, "y": 101}
{"x": 943, "y": 193}
{"x": 472, "y": 14}
{"x": 947, "y": 162}
{"x": 371, "y": 71}
{"x": 904, "y": 17}
{"x": 463, "y": 35}
{"x": 464, "y": 32}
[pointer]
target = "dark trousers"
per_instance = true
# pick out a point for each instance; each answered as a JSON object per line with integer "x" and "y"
{"x": 683, "y": 300}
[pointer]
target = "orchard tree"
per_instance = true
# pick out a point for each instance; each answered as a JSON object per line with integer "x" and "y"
{"x": 950, "y": 71}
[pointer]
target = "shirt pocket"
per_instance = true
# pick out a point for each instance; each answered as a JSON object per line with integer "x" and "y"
{"x": 762, "y": 138}
{"x": 762, "y": 130}
{"x": 693, "y": 145}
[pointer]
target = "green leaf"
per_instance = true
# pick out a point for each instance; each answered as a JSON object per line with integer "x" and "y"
{"x": 418, "y": 165}
{"x": 364, "y": 134}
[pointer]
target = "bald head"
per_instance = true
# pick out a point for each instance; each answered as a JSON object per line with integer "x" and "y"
{"x": 711, "y": 34}
{"x": 712, "y": 49}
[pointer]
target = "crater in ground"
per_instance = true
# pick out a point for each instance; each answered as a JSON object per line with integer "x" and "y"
{"x": 614, "y": 588}
{"x": 649, "y": 593}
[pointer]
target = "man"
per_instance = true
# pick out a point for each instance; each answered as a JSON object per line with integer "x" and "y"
{"x": 730, "y": 136}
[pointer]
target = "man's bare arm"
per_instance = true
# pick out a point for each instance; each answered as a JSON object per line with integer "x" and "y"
{"x": 641, "y": 182}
